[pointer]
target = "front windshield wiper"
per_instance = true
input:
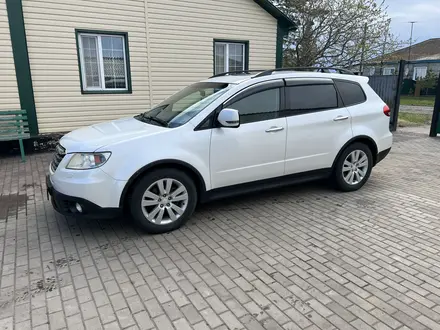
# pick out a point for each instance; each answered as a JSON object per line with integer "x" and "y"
{"x": 156, "y": 120}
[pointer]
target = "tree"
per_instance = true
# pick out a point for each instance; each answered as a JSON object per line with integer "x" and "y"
{"x": 429, "y": 82}
{"x": 336, "y": 32}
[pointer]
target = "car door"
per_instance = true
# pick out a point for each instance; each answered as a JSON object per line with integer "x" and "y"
{"x": 256, "y": 149}
{"x": 318, "y": 124}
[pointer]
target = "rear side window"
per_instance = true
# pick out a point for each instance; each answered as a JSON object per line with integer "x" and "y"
{"x": 351, "y": 93}
{"x": 311, "y": 97}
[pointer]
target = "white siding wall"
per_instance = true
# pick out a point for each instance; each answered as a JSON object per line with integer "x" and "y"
{"x": 9, "y": 99}
{"x": 179, "y": 51}
{"x": 50, "y": 28}
{"x": 182, "y": 32}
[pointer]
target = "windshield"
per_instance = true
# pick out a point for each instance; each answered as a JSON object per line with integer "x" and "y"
{"x": 181, "y": 107}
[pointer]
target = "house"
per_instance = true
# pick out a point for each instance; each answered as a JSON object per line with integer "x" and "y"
{"x": 75, "y": 63}
{"x": 425, "y": 56}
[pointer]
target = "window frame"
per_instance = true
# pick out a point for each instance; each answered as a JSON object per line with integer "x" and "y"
{"x": 391, "y": 68}
{"x": 425, "y": 68}
{"x": 276, "y": 113}
{"x": 245, "y": 92}
{"x": 349, "y": 82}
{"x": 254, "y": 89}
{"x": 103, "y": 90}
{"x": 228, "y": 41}
{"x": 297, "y": 82}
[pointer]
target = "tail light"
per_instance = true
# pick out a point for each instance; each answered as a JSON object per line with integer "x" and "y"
{"x": 386, "y": 110}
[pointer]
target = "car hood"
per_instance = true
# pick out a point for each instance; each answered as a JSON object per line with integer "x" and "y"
{"x": 91, "y": 138}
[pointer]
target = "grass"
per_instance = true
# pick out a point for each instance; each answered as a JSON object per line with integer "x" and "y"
{"x": 413, "y": 119}
{"x": 421, "y": 101}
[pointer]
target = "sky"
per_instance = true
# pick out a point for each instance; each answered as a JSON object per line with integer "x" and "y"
{"x": 425, "y": 12}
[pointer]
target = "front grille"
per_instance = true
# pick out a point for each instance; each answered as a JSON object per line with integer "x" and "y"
{"x": 58, "y": 156}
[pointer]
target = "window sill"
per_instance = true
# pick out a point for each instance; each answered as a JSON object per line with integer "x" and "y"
{"x": 107, "y": 92}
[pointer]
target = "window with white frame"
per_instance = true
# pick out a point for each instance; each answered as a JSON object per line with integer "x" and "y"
{"x": 103, "y": 59}
{"x": 420, "y": 72}
{"x": 389, "y": 71}
{"x": 229, "y": 56}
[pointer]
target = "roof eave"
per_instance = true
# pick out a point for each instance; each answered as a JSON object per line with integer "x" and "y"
{"x": 285, "y": 21}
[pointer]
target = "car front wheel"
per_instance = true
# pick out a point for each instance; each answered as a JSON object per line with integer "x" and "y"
{"x": 353, "y": 167}
{"x": 163, "y": 200}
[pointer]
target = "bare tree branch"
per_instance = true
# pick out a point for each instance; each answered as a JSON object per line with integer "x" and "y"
{"x": 331, "y": 32}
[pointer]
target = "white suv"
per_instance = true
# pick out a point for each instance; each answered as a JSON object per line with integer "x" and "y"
{"x": 229, "y": 134}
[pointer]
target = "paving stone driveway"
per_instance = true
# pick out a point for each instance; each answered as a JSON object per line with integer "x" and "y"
{"x": 297, "y": 258}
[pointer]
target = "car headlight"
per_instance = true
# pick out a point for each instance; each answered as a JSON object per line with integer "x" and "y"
{"x": 87, "y": 161}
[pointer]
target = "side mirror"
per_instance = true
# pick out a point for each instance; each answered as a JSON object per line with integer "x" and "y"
{"x": 229, "y": 118}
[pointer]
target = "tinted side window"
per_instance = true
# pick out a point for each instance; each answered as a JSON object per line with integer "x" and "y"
{"x": 311, "y": 98}
{"x": 260, "y": 106}
{"x": 206, "y": 123}
{"x": 351, "y": 93}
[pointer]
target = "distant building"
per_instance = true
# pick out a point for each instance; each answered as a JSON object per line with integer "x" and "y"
{"x": 425, "y": 56}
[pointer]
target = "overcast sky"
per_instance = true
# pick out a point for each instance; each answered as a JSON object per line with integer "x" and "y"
{"x": 425, "y": 12}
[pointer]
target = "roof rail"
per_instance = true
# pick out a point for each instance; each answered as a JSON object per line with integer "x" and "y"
{"x": 311, "y": 68}
{"x": 237, "y": 72}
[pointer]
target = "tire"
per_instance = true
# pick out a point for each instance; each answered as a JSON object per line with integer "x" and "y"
{"x": 341, "y": 173}
{"x": 147, "y": 204}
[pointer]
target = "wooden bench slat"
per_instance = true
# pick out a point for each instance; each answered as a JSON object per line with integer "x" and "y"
{"x": 24, "y": 118}
{"x": 13, "y": 112}
{"x": 10, "y": 125}
{"x": 14, "y": 126}
{"x": 14, "y": 137}
{"x": 8, "y": 131}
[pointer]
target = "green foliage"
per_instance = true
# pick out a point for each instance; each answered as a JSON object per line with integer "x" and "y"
{"x": 430, "y": 81}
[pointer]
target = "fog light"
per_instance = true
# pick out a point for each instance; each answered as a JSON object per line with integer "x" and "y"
{"x": 79, "y": 207}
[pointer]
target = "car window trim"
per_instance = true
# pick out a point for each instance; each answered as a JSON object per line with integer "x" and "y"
{"x": 307, "y": 81}
{"x": 287, "y": 112}
{"x": 247, "y": 91}
{"x": 253, "y": 89}
{"x": 349, "y": 82}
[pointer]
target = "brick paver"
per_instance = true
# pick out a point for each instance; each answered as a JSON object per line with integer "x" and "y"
{"x": 302, "y": 257}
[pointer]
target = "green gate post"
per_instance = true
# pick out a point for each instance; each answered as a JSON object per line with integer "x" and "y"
{"x": 435, "y": 123}
{"x": 395, "y": 113}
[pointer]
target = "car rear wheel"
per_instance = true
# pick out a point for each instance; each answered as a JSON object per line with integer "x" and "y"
{"x": 163, "y": 200}
{"x": 353, "y": 167}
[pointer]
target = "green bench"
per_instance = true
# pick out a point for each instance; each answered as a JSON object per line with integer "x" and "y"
{"x": 14, "y": 126}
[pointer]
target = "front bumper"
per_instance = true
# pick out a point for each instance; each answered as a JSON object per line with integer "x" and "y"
{"x": 67, "y": 205}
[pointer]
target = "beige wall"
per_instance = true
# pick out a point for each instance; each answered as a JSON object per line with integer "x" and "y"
{"x": 179, "y": 51}
{"x": 50, "y": 29}
{"x": 182, "y": 33}
{"x": 9, "y": 99}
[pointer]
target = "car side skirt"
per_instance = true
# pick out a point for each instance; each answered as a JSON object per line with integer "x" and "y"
{"x": 266, "y": 184}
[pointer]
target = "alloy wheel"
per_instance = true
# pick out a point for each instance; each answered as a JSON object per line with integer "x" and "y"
{"x": 355, "y": 167}
{"x": 164, "y": 201}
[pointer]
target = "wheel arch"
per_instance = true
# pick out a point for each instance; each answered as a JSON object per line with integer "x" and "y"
{"x": 165, "y": 163}
{"x": 362, "y": 139}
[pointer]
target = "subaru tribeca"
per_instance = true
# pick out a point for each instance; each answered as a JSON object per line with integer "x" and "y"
{"x": 229, "y": 134}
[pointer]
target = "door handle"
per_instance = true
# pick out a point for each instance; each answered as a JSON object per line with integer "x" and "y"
{"x": 339, "y": 118}
{"x": 274, "y": 129}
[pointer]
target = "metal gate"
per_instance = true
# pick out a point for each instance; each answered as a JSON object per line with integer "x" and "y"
{"x": 388, "y": 88}
{"x": 435, "y": 123}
